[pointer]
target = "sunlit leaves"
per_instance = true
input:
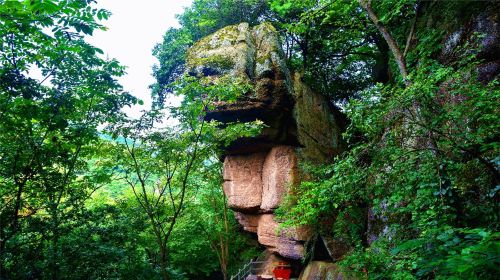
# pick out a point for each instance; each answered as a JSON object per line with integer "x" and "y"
{"x": 49, "y": 127}
{"x": 423, "y": 161}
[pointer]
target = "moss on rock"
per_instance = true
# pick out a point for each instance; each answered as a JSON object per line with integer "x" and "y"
{"x": 215, "y": 61}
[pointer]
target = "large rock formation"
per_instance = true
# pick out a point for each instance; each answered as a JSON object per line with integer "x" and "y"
{"x": 300, "y": 124}
{"x": 243, "y": 180}
{"x": 252, "y": 55}
{"x": 482, "y": 32}
{"x": 255, "y": 184}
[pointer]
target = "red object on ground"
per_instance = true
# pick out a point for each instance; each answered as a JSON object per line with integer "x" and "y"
{"x": 282, "y": 271}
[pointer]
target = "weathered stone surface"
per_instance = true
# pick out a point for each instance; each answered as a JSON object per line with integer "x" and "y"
{"x": 287, "y": 243}
{"x": 259, "y": 180}
{"x": 269, "y": 60}
{"x": 267, "y": 230}
{"x": 250, "y": 222}
{"x": 278, "y": 174}
{"x": 259, "y": 171}
{"x": 243, "y": 180}
{"x": 488, "y": 44}
{"x": 336, "y": 247}
{"x": 486, "y": 24}
{"x": 254, "y": 55}
{"x": 319, "y": 124}
{"x": 255, "y": 184}
{"x": 317, "y": 270}
{"x": 378, "y": 220}
{"x": 227, "y": 51}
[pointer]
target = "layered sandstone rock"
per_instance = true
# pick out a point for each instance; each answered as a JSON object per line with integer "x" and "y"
{"x": 256, "y": 184}
{"x": 243, "y": 180}
{"x": 249, "y": 222}
{"x": 259, "y": 180}
{"x": 260, "y": 171}
{"x": 319, "y": 124}
{"x": 278, "y": 173}
{"x": 286, "y": 242}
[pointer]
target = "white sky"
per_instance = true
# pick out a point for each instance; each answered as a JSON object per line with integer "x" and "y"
{"x": 133, "y": 30}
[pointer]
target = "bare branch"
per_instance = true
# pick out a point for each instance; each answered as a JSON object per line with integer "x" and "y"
{"x": 412, "y": 31}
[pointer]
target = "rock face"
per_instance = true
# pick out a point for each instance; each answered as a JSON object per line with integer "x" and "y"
{"x": 243, "y": 180}
{"x": 326, "y": 270}
{"x": 249, "y": 222}
{"x": 259, "y": 180}
{"x": 487, "y": 24}
{"x": 300, "y": 124}
{"x": 278, "y": 172}
{"x": 288, "y": 243}
{"x": 319, "y": 124}
{"x": 255, "y": 184}
{"x": 252, "y": 55}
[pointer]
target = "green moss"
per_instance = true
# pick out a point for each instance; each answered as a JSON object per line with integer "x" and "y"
{"x": 267, "y": 27}
{"x": 215, "y": 61}
{"x": 229, "y": 33}
{"x": 262, "y": 59}
{"x": 212, "y": 42}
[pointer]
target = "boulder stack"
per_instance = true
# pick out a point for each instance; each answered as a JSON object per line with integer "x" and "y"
{"x": 300, "y": 125}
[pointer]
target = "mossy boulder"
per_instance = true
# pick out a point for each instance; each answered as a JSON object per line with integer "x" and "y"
{"x": 253, "y": 55}
{"x": 296, "y": 119}
{"x": 229, "y": 51}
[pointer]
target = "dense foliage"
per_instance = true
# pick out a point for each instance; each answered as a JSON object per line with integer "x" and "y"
{"x": 416, "y": 196}
{"x": 418, "y": 200}
{"x": 49, "y": 130}
{"x": 75, "y": 197}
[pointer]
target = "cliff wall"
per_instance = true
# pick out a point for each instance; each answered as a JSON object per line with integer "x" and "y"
{"x": 300, "y": 125}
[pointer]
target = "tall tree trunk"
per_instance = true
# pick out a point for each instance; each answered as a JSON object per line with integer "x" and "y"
{"x": 164, "y": 262}
{"x": 381, "y": 70}
{"x": 2, "y": 252}
{"x": 393, "y": 45}
{"x": 54, "y": 266}
{"x": 225, "y": 249}
{"x": 54, "y": 250}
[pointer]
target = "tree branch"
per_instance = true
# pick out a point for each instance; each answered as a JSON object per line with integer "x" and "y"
{"x": 400, "y": 60}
